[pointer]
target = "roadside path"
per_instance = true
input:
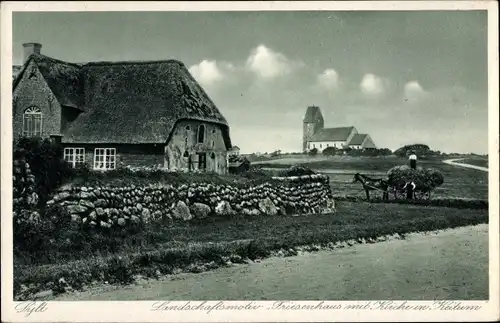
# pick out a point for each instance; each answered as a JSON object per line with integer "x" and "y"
{"x": 454, "y": 163}
{"x": 452, "y": 264}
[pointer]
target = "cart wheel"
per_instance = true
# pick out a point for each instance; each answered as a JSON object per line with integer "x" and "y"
{"x": 399, "y": 194}
{"x": 419, "y": 195}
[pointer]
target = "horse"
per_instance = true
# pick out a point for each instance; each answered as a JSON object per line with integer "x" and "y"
{"x": 371, "y": 184}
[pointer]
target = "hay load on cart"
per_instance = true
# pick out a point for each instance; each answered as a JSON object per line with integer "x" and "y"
{"x": 423, "y": 181}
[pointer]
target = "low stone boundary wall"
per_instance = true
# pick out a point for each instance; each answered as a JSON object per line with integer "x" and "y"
{"x": 105, "y": 206}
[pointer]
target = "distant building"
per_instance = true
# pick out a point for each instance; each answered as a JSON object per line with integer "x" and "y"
{"x": 315, "y": 135}
{"x": 110, "y": 113}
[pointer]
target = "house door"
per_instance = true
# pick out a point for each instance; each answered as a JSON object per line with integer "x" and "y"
{"x": 202, "y": 161}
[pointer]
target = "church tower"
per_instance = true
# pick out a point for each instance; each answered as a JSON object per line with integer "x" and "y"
{"x": 313, "y": 121}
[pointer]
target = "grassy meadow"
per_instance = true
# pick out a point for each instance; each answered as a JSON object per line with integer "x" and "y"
{"x": 458, "y": 182}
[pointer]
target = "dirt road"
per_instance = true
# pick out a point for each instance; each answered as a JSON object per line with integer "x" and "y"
{"x": 454, "y": 163}
{"x": 449, "y": 265}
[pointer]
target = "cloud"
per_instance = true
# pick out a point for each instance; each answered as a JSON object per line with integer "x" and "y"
{"x": 329, "y": 79}
{"x": 208, "y": 72}
{"x": 413, "y": 90}
{"x": 373, "y": 84}
{"x": 267, "y": 63}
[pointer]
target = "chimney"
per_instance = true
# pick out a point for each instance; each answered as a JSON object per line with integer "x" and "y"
{"x": 31, "y": 48}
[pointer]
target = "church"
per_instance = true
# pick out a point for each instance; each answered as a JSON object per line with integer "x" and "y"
{"x": 315, "y": 135}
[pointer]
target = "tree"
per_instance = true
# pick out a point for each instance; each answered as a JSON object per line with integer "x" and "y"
{"x": 313, "y": 152}
{"x": 329, "y": 151}
{"x": 420, "y": 149}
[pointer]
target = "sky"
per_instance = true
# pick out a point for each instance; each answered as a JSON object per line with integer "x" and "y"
{"x": 402, "y": 77}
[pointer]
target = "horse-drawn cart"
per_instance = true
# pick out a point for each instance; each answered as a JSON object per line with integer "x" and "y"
{"x": 400, "y": 191}
{"x": 420, "y": 182}
{"x": 403, "y": 182}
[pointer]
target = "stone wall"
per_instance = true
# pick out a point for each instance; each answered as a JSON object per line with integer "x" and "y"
{"x": 25, "y": 197}
{"x": 108, "y": 206}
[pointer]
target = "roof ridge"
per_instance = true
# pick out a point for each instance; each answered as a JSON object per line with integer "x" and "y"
{"x": 53, "y": 60}
{"x": 339, "y": 127}
{"x": 105, "y": 63}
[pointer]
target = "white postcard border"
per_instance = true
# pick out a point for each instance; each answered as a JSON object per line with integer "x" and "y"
{"x": 108, "y": 311}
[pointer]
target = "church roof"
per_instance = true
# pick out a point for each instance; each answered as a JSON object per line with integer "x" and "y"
{"x": 333, "y": 134}
{"x": 358, "y": 139}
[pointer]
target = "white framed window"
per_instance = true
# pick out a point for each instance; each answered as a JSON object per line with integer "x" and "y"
{"x": 32, "y": 122}
{"x": 74, "y": 156}
{"x": 105, "y": 158}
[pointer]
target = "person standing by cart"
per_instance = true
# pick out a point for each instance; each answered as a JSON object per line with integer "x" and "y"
{"x": 413, "y": 159}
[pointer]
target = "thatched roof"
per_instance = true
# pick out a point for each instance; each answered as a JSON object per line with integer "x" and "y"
{"x": 15, "y": 71}
{"x": 332, "y": 134}
{"x": 64, "y": 79}
{"x": 129, "y": 102}
{"x": 358, "y": 139}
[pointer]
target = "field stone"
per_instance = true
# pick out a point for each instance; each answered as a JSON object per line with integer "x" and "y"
{"x": 61, "y": 196}
{"x": 200, "y": 210}
{"x": 255, "y": 212}
{"x": 87, "y": 204}
{"x": 76, "y": 209}
{"x": 100, "y": 202}
{"x": 121, "y": 222}
{"x": 224, "y": 208}
{"x": 181, "y": 211}
{"x": 84, "y": 195}
{"x": 75, "y": 218}
{"x": 146, "y": 215}
{"x": 43, "y": 294}
{"x": 267, "y": 206}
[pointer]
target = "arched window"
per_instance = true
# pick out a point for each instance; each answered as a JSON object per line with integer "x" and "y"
{"x": 32, "y": 122}
{"x": 201, "y": 134}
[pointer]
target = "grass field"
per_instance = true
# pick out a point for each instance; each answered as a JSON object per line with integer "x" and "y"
{"x": 458, "y": 182}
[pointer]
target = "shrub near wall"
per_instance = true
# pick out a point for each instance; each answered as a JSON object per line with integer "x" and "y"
{"x": 107, "y": 206}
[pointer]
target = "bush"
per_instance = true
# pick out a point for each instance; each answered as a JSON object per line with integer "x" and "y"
{"x": 296, "y": 170}
{"x": 330, "y": 151}
{"x": 421, "y": 150}
{"x": 368, "y": 152}
{"x": 46, "y": 162}
{"x": 313, "y": 152}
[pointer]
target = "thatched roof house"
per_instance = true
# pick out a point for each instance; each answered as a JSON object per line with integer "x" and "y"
{"x": 146, "y": 112}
